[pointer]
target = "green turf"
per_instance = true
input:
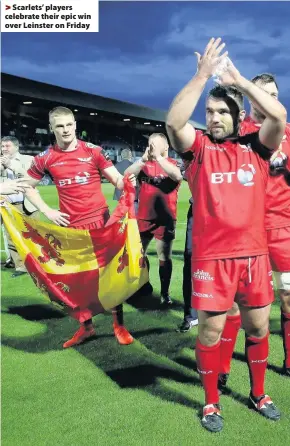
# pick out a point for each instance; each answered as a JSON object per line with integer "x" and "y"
{"x": 100, "y": 393}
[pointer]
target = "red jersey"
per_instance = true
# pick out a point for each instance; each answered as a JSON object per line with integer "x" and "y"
{"x": 227, "y": 181}
{"x": 77, "y": 176}
{"x": 278, "y": 191}
{"x": 157, "y": 193}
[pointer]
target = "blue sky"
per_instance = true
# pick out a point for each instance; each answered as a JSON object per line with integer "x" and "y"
{"x": 144, "y": 52}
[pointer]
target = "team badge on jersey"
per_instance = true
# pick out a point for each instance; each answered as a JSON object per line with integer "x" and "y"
{"x": 85, "y": 160}
{"x": 246, "y": 174}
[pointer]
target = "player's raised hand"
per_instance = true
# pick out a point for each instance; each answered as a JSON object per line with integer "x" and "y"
{"x": 228, "y": 74}
{"x": 211, "y": 58}
{"x": 145, "y": 156}
{"x": 57, "y": 217}
{"x": 155, "y": 149}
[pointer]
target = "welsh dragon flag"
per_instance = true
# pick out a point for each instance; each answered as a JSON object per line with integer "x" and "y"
{"x": 84, "y": 271}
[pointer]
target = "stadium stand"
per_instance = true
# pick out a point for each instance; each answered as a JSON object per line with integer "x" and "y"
{"x": 111, "y": 123}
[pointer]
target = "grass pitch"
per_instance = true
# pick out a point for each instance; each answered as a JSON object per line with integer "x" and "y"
{"x": 103, "y": 394}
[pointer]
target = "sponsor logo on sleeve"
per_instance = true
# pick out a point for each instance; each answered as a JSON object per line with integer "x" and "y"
{"x": 105, "y": 155}
{"x": 43, "y": 153}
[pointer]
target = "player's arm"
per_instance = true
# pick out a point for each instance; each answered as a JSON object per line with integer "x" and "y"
{"x": 172, "y": 170}
{"x": 114, "y": 176}
{"x": 33, "y": 177}
{"x": 181, "y": 133}
{"x": 136, "y": 167}
{"x": 13, "y": 187}
{"x": 33, "y": 195}
{"x": 273, "y": 127}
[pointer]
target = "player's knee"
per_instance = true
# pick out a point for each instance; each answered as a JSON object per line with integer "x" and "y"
{"x": 234, "y": 311}
{"x": 209, "y": 335}
{"x": 258, "y": 330}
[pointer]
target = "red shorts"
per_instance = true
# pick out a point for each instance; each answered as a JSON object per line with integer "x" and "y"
{"x": 98, "y": 223}
{"x": 279, "y": 249}
{"x": 153, "y": 228}
{"x": 216, "y": 284}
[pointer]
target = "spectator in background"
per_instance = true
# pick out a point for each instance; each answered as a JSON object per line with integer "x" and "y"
{"x": 14, "y": 165}
{"x": 126, "y": 161}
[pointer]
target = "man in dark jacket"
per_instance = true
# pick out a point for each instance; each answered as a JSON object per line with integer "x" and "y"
{"x": 126, "y": 161}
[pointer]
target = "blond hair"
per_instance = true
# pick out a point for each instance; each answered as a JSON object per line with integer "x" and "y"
{"x": 59, "y": 111}
{"x": 161, "y": 135}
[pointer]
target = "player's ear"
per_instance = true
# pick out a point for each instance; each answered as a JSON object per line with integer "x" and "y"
{"x": 242, "y": 115}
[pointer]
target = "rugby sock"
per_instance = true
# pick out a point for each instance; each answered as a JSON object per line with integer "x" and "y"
{"x": 228, "y": 342}
{"x": 285, "y": 325}
{"x": 165, "y": 271}
{"x": 257, "y": 351}
{"x": 117, "y": 313}
{"x": 208, "y": 364}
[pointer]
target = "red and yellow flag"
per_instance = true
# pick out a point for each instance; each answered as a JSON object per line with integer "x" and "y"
{"x": 84, "y": 271}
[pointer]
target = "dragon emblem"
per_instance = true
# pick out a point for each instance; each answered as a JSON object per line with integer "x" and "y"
{"x": 123, "y": 260}
{"x": 49, "y": 245}
{"x": 63, "y": 287}
{"x": 39, "y": 285}
{"x": 123, "y": 225}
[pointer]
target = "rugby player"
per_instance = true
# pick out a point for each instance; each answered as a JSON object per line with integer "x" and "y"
{"x": 278, "y": 233}
{"x": 159, "y": 178}
{"x": 76, "y": 168}
{"x": 227, "y": 176}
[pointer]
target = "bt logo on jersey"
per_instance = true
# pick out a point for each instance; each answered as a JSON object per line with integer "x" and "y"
{"x": 222, "y": 177}
{"x": 245, "y": 176}
{"x": 80, "y": 178}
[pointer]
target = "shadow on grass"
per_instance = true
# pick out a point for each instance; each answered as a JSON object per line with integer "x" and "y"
{"x": 123, "y": 364}
{"x": 147, "y": 376}
{"x": 191, "y": 364}
{"x": 151, "y": 302}
{"x": 35, "y": 312}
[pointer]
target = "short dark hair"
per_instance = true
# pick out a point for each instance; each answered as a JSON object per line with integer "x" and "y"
{"x": 226, "y": 93}
{"x": 12, "y": 139}
{"x": 265, "y": 78}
